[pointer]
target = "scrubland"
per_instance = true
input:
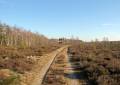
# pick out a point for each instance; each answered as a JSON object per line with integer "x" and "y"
{"x": 19, "y": 50}
{"x": 99, "y": 61}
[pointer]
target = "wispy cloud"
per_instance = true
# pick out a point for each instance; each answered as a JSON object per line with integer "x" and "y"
{"x": 106, "y": 24}
{"x": 110, "y": 25}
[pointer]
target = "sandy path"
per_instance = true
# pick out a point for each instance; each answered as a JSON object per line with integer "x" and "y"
{"x": 69, "y": 70}
{"x": 36, "y": 76}
{"x": 68, "y": 76}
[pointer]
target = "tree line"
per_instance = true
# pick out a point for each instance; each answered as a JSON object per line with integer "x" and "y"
{"x": 14, "y": 36}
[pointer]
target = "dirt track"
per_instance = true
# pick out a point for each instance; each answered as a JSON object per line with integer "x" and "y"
{"x": 62, "y": 72}
{"x": 56, "y": 64}
{"x": 71, "y": 78}
{"x": 36, "y": 76}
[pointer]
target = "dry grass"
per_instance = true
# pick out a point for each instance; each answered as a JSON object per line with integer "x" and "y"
{"x": 8, "y": 77}
{"x": 55, "y": 75}
{"x": 99, "y": 61}
{"x": 18, "y": 60}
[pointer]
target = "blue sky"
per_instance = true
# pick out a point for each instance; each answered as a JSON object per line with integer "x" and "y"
{"x": 86, "y": 19}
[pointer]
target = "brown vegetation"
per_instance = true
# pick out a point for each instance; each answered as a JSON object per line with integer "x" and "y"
{"x": 19, "y": 49}
{"x": 99, "y": 61}
{"x": 55, "y": 75}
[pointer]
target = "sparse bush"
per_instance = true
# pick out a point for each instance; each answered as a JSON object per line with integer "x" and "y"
{"x": 108, "y": 80}
{"x": 8, "y": 77}
{"x": 100, "y": 62}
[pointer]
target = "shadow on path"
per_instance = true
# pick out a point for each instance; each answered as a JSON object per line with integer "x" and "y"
{"x": 75, "y": 75}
